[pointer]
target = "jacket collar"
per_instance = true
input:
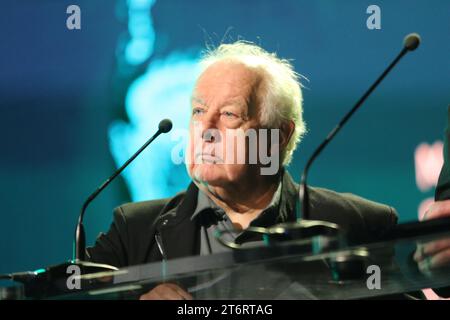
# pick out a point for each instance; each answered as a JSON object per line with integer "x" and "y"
{"x": 178, "y": 233}
{"x": 178, "y": 208}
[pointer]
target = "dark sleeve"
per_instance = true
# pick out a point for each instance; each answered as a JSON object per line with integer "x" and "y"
{"x": 363, "y": 220}
{"x": 111, "y": 248}
{"x": 443, "y": 186}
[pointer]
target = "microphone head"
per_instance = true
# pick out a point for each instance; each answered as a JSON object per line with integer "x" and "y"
{"x": 411, "y": 41}
{"x": 165, "y": 126}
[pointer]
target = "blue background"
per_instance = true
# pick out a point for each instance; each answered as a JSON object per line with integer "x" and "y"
{"x": 68, "y": 117}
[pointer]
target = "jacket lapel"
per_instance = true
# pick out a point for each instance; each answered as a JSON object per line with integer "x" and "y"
{"x": 179, "y": 235}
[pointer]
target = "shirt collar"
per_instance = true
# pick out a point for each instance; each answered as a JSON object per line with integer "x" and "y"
{"x": 210, "y": 213}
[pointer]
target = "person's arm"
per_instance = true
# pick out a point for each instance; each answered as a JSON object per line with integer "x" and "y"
{"x": 443, "y": 187}
{"x": 436, "y": 254}
{"x": 111, "y": 248}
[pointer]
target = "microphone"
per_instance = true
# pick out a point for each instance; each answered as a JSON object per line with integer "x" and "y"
{"x": 51, "y": 280}
{"x": 305, "y": 228}
{"x": 80, "y": 236}
{"x": 410, "y": 43}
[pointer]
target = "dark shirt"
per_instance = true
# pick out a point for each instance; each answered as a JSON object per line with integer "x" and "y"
{"x": 215, "y": 222}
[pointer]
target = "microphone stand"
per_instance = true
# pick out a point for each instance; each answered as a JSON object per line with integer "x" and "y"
{"x": 53, "y": 279}
{"x": 304, "y": 227}
{"x": 80, "y": 237}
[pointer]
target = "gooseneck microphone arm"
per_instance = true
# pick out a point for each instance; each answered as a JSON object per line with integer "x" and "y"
{"x": 411, "y": 42}
{"x": 80, "y": 236}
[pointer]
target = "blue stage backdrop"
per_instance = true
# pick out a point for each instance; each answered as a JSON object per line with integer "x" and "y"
{"x": 75, "y": 104}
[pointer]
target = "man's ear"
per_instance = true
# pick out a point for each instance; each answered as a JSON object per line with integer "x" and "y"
{"x": 286, "y": 132}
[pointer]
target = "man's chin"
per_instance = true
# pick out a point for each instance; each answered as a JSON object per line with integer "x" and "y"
{"x": 208, "y": 175}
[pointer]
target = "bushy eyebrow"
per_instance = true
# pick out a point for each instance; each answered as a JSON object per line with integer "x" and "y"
{"x": 235, "y": 102}
{"x": 198, "y": 100}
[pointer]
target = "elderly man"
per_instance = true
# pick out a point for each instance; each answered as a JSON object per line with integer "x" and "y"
{"x": 242, "y": 89}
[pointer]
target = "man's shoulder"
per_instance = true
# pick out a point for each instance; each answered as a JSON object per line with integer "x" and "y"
{"x": 355, "y": 212}
{"x": 345, "y": 199}
{"x": 136, "y": 210}
{"x": 130, "y": 236}
{"x": 146, "y": 211}
{"x": 344, "y": 207}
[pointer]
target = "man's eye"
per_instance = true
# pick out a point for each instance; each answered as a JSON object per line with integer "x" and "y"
{"x": 229, "y": 114}
{"x": 197, "y": 111}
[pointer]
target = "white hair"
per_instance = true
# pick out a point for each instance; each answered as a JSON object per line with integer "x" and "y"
{"x": 281, "y": 95}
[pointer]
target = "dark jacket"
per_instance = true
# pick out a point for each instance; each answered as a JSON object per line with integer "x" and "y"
{"x": 149, "y": 231}
{"x": 443, "y": 187}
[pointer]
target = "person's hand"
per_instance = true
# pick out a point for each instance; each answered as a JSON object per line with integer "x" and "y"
{"x": 434, "y": 254}
{"x": 166, "y": 291}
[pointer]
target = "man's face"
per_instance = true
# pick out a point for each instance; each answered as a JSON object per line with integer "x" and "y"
{"x": 224, "y": 99}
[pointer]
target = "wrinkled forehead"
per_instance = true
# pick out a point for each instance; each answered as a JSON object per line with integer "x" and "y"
{"x": 229, "y": 80}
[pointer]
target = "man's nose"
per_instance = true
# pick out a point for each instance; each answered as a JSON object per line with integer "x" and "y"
{"x": 211, "y": 135}
{"x": 210, "y": 128}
